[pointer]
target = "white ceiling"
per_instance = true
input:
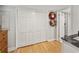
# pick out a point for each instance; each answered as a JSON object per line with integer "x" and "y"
{"x": 46, "y": 7}
{"x": 39, "y": 8}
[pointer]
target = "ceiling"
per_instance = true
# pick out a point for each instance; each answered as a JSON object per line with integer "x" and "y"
{"x": 46, "y": 7}
{"x": 39, "y": 8}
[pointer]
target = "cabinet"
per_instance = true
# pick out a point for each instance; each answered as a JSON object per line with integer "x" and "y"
{"x": 3, "y": 41}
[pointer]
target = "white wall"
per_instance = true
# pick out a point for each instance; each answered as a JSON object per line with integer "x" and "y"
{"x": 75, "y": 19}
{"x": 68, "y": 15}
{"x": 0, "y": 18}
{"x": 1, "y": 15}
{"x": 33, "y": 27}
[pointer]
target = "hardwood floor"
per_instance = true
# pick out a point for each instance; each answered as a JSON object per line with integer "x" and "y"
{"x": 43, "y": 47}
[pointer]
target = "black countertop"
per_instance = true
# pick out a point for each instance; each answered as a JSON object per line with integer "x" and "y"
{"x": 71, "y": 39}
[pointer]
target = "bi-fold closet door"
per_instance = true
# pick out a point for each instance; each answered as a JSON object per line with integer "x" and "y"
{"x": 29, "y": 27}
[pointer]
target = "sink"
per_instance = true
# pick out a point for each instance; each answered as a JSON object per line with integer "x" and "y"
{"x": 76, "y": 38}
{"x": 73, "y": 39}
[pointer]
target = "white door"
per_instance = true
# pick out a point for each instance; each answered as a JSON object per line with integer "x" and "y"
{"x": 60, "y": 25}
{"x": 30, "y": 27}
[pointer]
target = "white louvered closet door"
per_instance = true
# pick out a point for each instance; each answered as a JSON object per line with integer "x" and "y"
{"x": 30, "y": 27}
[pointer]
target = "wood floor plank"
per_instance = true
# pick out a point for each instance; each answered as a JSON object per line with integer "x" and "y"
{"x": 44, "y": 47}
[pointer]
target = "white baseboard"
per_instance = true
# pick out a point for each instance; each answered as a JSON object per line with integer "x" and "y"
{"x": 51, "y": 40}
{"x": 11, "y": 49}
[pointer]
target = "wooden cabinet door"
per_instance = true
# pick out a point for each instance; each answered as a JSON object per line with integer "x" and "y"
{"x": 3, "y": 41}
